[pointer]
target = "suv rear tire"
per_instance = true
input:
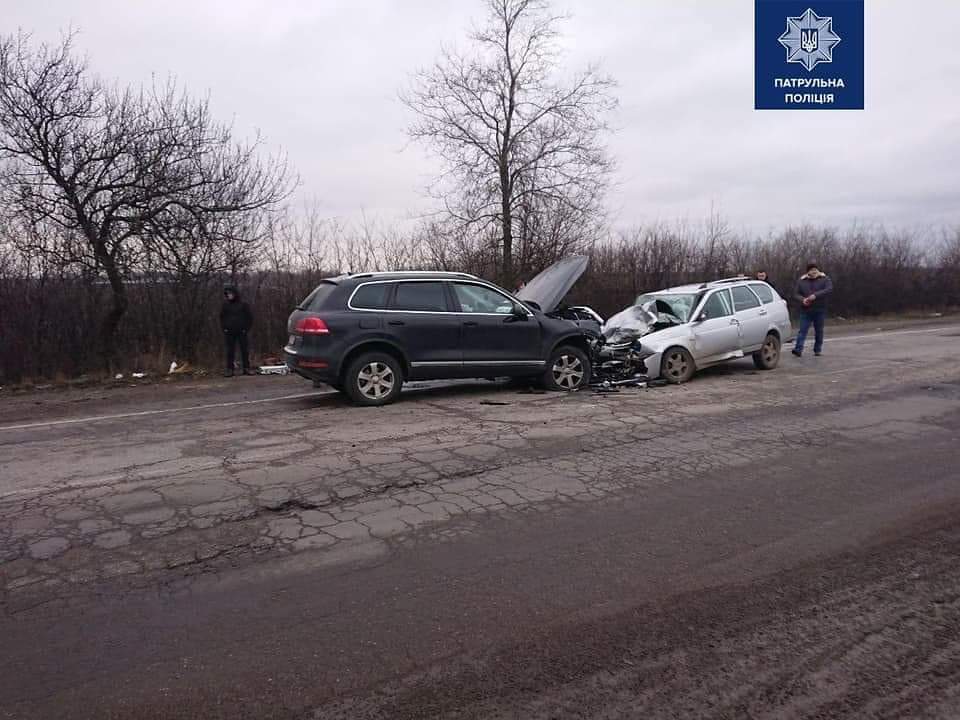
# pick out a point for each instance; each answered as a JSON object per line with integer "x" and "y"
{"x": 568, "y": 369}
{"x": 374, "y": 378}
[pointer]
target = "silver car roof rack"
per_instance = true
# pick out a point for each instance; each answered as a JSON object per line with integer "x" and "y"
{"x": 722, "y": 281}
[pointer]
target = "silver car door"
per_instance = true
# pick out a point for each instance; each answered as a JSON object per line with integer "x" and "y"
{"x": 752, "y": 316}
{"x": 716, "y": 330}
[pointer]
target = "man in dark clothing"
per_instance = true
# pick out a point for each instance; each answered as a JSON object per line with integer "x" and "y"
{"x": 235, "y": 321}
{"x": 812, "y": 291}
{"x": 763, "y": 277}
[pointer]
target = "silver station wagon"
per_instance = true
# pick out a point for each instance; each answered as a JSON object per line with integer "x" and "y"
{"x": 692, "y": 327}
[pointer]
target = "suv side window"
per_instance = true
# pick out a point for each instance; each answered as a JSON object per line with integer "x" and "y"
{"x": 420, "y": 297}
{"x": 372, "y": 296}
{"x": 764, "y": 291}
{"x": 743, "y": 299}
{"x": 479, "y": 299}
{"x": 718, "y": 305}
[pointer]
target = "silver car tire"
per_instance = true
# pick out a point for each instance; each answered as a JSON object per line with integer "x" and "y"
{"x": 676, "y": 365}
{"x": 768, "y": 356}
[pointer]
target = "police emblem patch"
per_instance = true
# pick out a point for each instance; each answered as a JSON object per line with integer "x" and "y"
{"x": 809, "y": 39}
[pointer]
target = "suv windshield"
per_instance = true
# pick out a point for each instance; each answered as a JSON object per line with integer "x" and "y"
{"x": 675, "y": 307}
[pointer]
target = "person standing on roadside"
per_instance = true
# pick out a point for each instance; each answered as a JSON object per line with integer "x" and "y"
{"x": 236, "y": 319}
{"x": 812, "y": 291}
{"x": 763, "y": 277}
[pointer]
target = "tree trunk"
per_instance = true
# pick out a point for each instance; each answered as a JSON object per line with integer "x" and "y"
{"x": 108, "y": 329}
{"x": 506, "y": 220}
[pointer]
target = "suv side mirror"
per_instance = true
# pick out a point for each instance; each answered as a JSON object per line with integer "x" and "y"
{"x": 519, "y": 312}
{"x": 704, "y": 315}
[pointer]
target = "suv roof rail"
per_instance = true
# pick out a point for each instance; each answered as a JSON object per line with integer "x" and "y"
{"x": 415, "y": 272}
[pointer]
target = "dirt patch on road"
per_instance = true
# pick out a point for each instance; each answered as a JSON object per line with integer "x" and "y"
{"x": 873, "y": 633}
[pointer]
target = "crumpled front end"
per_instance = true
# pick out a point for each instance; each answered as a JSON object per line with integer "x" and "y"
{"x": 633, "y": 336}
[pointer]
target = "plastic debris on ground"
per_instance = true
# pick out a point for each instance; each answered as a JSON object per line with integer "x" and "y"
{"x": 273, "y": 370}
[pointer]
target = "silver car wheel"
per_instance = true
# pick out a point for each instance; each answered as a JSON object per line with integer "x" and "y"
{"x": 677, "y": 365}
{"x": 375, "y": 380}
{"x": 568, "y": 372}
{"x": 770, "y": 351}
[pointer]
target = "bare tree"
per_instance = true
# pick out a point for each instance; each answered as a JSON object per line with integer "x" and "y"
{"x": 125, "y": 173}
{"x": 514, "y": 138}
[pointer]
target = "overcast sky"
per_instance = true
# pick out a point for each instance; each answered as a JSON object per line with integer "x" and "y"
{"x": 319, "y": 78}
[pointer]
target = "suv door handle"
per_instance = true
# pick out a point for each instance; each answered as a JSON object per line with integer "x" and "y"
{"x": 470, "y": 323}
{"x": 395, "y": 322}
{"x": 763, "y": 312}
{"x": 734, "y": 321}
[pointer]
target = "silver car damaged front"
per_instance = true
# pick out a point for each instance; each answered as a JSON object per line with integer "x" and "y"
{"x": 657, "y": 327}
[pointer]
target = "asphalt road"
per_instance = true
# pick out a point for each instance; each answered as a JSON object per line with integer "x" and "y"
{"x": 782, "y": 544}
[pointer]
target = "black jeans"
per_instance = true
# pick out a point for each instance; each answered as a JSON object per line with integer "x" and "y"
{"x": 232, "y": 339}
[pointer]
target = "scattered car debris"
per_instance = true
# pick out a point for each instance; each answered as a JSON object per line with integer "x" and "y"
{"x": 273, "y": 370}
{"x": 118, "y": 376}
{"x": 173, "y": 368}
{"x": 138, "y": 375}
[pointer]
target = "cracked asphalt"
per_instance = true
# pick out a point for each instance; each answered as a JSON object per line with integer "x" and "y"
{"x": 750, "y": 544}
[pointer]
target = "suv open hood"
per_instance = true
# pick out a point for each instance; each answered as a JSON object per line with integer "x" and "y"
{"x": 550, "y": 287}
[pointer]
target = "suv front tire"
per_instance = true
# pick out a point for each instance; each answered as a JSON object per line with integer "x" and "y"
{"x": 568, "y": 369}
{"x": 374, "y": 378}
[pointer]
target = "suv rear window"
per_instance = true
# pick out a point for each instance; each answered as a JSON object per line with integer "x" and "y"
{"x": 764, "y": 291}
{"x": 315, "y": 300}
{"x": 372, "y": 296}
{"x": 420, "y": 297}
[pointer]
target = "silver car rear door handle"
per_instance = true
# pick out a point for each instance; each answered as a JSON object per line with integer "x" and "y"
{"x": 763, "y": 312}
{"x": 734, "y": 321}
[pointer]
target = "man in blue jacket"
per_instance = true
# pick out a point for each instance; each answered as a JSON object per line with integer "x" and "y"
{"x": 812, "y": 291}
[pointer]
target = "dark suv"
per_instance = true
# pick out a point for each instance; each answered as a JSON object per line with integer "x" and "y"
{"x": 365, "y": 334}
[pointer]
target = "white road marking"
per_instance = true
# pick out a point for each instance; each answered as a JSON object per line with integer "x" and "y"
{"x": 859, "y": 368}
{"x": 143, "y": 413}
{"x": 211, "y": 406}
{"x": 843, "y": 338}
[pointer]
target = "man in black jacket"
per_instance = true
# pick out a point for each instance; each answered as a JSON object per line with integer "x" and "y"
{"x": 812, "y": 291}
{"x": 763, "y": 277}
{"x": 235, "y": 321}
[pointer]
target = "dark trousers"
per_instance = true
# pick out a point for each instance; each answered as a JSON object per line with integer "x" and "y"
{"x": 232, "y": 339}
{"x": 808, "y": 318}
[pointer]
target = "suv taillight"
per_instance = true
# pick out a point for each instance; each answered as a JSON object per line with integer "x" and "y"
{"x": 312, "y": 326}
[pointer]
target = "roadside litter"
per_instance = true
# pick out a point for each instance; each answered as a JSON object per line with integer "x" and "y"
{"x": 273, "y": 370}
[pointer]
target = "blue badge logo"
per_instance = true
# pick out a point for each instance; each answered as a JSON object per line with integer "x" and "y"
{"x": 809, "y": 39}
{"x": 809, "y": 54}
